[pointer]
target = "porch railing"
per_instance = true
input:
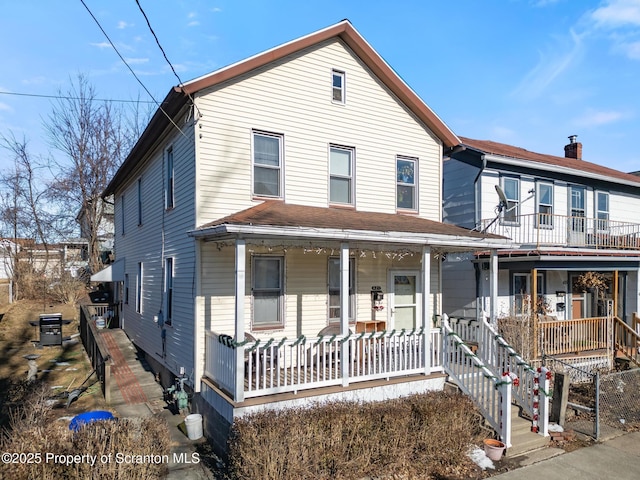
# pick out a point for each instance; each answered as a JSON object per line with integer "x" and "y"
{"x": 558, "y": 337}
{"x": 95, "y": 347}
{"x": 572, "y": 231}
{"x": 290, "y": 365}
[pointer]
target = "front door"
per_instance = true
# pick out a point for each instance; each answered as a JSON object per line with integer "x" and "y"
{"x": 405, "y": 300}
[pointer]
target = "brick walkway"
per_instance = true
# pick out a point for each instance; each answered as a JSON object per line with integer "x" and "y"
{"x": 127, "y": 381}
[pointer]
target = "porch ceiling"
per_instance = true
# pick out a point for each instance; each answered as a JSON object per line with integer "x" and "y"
{"x": 283, "y": 220}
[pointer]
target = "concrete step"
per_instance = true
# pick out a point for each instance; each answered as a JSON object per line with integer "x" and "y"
{"x": 523, "y": 440}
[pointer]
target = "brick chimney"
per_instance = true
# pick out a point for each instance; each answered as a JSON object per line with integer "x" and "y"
{"x": 574, "y": 149}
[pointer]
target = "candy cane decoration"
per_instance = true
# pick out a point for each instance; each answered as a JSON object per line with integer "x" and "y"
{"x": 536, "y": 400}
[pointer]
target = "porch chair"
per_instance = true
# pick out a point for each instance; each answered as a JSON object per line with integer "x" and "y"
{"x": 330, "y": 358}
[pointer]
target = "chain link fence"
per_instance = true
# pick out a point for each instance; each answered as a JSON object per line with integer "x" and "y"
{"x": 600, "y": 402}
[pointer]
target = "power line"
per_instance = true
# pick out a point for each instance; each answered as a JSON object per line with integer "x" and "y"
{"x": 165, "y": 55}
{"x": 129, "y": 67}
{"x": 62, "y": 97}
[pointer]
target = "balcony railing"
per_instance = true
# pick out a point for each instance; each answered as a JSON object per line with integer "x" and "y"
{"x": 290, "y": 365}
{"x": 567, "y": 231}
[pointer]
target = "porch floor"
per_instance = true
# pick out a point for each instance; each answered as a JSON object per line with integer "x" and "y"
{"x": 319, "y": 391}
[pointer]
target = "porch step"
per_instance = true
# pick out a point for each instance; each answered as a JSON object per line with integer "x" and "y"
{"x": 523, "y": 440}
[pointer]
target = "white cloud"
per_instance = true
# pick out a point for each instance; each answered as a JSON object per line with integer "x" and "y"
{"x": 216, "y": 9}
{"x": 617, "y": 13}
{"x": 543, "y": 3}
{"x": 5, "y": 108}
{"x": 101, "y": 45}
{"x": 122, "y": 25}
{"x": 195, "y": 23}
{"x": 550, "y": 66}
{"x": 596, "y": 118}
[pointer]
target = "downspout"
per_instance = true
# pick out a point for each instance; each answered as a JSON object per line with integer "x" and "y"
{"x": 476, "y": 192}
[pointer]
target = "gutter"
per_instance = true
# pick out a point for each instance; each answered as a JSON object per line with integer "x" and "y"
{"x": 353, "y": 235}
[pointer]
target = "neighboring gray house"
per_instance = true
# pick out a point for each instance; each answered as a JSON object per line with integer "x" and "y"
{"x": 566, "y": 217}
{"x": 280, "y": 216}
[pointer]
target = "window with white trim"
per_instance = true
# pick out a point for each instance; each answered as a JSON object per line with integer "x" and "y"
{"x": 139, "y": 201}
{"x": 522, "y": 292}
{"x": 170, "y": 180}
{"x": 341, "y": 175}
{"x": 602, "y": 210}
{"x": 545, "y": 205}
{"x": 511, "y": 188}
{"x": 337, "y": 86}
{"x": 578, "y": 210}
{"x": 168, "y": 290}
{"x": 126, "y": 288}
{"x": 267, "y": 291}
{"x": 139, "y": 279}
{"x": 267, "y": 164}
{"x": 406, "y": 177}
{"x": 334, "y": 289}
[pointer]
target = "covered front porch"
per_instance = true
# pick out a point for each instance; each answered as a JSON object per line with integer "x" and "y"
{"x": 342, "y": 298}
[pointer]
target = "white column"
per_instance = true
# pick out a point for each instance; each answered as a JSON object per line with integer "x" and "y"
{"x": 493, "y": 288}
{"x": 239, "y": 317}
{"x": 426, "y": 307}
{"x": 200, "y": 340}
{"x": 344, "y": 311}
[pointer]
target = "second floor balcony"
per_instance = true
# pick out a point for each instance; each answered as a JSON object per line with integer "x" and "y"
{"x": 548, "y": 230}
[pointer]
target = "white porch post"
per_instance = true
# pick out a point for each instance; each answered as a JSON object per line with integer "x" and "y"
{"x": 199, "y": 326}
{"x": 239, "y": 317}
{"x": 493, "y": 285}
{"x": 344, "y": 311}
{"x": 426, "y": 307}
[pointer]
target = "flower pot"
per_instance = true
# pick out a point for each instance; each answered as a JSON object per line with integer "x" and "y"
{"x": 493, "y": 449}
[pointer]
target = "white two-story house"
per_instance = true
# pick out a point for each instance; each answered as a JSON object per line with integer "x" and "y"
{"x": 279, "y": 224}
{"x": 566, "y": 217}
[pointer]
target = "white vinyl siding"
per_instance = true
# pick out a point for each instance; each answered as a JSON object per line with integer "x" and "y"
{"x": 373, "y": 121}
{"x": 161, "y": 236}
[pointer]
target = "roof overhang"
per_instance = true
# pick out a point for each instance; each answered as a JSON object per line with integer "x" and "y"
{"x": 111, "y": 273}
{"x": 449, "y": 242}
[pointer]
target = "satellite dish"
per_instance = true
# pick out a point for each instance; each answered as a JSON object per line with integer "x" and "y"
{"x": 503, "y": 198}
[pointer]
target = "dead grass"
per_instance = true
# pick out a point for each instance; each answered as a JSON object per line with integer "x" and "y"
{"x": 422, "y": 436}
{"x": 136, "y": 449}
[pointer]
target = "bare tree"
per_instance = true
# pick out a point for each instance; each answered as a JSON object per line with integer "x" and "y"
{"x": 23, "y": 214}
{"x": 94, "y": 138}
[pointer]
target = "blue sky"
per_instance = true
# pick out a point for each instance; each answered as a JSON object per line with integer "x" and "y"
{"x": 524, "y": 72}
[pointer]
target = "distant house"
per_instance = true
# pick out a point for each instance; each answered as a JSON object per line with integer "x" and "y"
{"x": 566, "y": 217}
{"x": 279, "y": 228}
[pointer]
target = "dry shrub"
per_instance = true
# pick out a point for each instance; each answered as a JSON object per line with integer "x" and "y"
{"x": 35, "y": 434}
{"x": 422, "y": 436}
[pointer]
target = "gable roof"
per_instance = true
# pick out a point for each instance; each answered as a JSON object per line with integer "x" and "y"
{"x": 276, "y": 218}
{"x": 549, "y": 162}
{"x": 178, "y": 96}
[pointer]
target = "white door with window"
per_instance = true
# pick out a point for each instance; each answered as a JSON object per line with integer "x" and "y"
{"x": 405, "y": 299}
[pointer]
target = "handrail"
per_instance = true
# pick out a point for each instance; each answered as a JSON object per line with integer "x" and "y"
{"x": 491, "y": 394}
{"x": 96, "y": 349}
{"x": 627, "y": 340}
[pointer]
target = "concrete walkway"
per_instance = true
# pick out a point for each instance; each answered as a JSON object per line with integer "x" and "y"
{"x": 135, "y": 393}
{"x": 617, "y": 457}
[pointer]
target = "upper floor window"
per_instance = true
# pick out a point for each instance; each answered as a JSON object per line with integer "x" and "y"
{"x": 341, "y": 175}
{"x": 140, "y": 201}
{"x": 545, "y": 204}
{"x": 122, "y": 217}
{"x": 169, "y": 189}
{"x": 337, "y": 86}
{"x": 268, "y": 291}
{"x": 406, "y": 183}
{"x": 578, "y": 211}
{"x": 334, "y": 289}
{"x": 511, "y": 188}
{"x": 602, "y": 210}
{"x": 267, "y": 164}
